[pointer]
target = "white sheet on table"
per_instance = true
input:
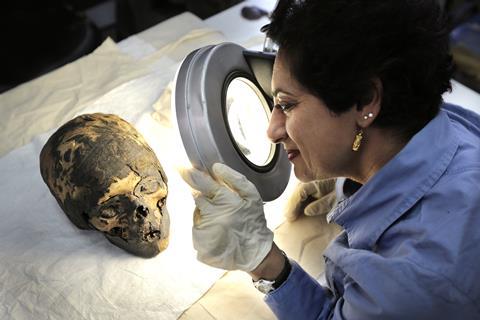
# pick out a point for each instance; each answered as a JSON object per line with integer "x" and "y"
{"x": 49, "y": 269}
{"x": 52, "y": 270}
{"x": 43, "y": 103}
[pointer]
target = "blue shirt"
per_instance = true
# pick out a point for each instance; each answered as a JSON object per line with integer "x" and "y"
{"x": 410, "y": 246}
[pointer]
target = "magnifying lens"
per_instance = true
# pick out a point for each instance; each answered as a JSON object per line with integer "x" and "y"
{"x": 222, "y": 104}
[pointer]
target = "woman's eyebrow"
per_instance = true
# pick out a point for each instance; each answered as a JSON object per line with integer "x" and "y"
{"x": 280, "y": 90}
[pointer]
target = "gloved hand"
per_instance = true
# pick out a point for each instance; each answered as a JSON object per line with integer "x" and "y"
{"x": 229, "y": 229}
{"x": 311, "y": 198}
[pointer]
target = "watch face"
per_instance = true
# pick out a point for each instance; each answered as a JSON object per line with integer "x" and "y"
{"x": 264, "y": 286}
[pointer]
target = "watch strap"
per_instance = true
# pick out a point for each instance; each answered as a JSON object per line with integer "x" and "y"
{"x": 287, "y": 267}
{"x": 267, "y": 286}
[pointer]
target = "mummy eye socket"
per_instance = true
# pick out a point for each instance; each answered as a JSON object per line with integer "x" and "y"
{"x": 108, "y": 213}
{"x": 149, "y": 185}
{"x": 161, "y": 202}
{"x": 117, "y": 231}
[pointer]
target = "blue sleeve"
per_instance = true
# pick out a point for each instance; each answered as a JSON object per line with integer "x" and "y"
{"x": 421, "y": 270}
{"x": 375, "y": 288}
{"x": 300, "y": 297}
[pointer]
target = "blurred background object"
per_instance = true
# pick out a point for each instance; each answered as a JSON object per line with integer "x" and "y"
{"x": 40, "y": 36}
{"x": 465, "y": 41}
{"x": 253, "y": 12}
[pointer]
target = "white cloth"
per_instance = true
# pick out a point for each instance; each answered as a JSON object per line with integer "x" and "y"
{"x": 44, "y": 103}
{"x": 52, "y": 270}
{"x": 49, "y": 269}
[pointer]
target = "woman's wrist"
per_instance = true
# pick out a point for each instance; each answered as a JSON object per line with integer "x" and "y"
{"x": 271, "y": 267}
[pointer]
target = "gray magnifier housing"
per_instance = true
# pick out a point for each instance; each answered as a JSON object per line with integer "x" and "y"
{"x": 223, "y": 103}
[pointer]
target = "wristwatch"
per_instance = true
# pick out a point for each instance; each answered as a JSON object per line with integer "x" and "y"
{"x": 267, "y": 286}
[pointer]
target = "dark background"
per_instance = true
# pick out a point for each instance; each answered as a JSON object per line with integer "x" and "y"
{"x": 38, "y": 36}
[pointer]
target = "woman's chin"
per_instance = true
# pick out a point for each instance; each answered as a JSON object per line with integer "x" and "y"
{"x": 302, "y": 174}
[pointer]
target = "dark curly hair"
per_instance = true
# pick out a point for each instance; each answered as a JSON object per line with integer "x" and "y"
{"x": 336, "y": 48}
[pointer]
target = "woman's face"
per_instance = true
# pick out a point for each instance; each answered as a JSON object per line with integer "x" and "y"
{"x": 318, "y": 142}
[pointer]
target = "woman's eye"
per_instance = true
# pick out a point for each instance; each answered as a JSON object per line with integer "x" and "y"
{"x": 285, "y": 107}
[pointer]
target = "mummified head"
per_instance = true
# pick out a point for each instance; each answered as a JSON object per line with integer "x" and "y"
{"x": 105, "y": 177}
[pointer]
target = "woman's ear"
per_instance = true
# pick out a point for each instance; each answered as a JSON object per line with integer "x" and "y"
{"x": 369, "y": 111}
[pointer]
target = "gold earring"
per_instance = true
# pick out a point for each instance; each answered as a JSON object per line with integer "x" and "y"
{"x": 358, "y": 140}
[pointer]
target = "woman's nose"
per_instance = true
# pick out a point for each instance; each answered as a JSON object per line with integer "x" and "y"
{"x": 276, "y": 130}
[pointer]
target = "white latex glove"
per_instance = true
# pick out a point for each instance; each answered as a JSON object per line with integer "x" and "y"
{"x": 311, "y": 198}
{"x": 229, "y": 229}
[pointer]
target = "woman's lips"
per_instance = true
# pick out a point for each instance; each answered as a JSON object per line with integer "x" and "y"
{"x": 292, "y": 154}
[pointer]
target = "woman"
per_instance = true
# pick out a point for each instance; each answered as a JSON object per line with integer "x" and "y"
{"x": 357, "y": 88}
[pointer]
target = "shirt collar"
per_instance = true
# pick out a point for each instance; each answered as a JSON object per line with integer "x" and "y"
{"x": 398, "y": 185}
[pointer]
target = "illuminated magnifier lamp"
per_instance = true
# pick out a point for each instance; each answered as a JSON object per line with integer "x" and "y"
{"x": 222, "y": 103}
